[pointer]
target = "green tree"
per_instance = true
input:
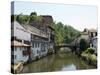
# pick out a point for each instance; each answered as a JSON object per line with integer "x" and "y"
{"x": 83, "y": 45}
{"x": 33, "y": 13}
{"x": 63, "y": 33}
{"x": 35, "y": 18}
{"x": 22, "y": 19}
{"x": 90, "y": 50}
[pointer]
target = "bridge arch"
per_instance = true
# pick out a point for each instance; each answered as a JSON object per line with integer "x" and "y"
{"x": 71, "y": 46}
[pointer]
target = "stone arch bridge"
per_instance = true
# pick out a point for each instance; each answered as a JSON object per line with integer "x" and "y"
{"x": 72, "y": 46}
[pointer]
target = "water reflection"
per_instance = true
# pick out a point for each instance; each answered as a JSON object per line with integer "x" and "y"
{"x": 70, "y": 67}
{"x": 57, "y": 62}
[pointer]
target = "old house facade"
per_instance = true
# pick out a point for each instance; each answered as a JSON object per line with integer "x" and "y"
{"x": 47, "y": 27}
{"x": 39, "y": 40}
{"x": 20, "y": 43}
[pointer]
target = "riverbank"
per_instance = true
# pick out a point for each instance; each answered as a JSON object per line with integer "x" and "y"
{"x": 90, "y": 58}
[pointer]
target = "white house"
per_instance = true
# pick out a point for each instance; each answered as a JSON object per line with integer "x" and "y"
{"x": 94, "y": 43}
{"x": 19, "y": 52}
{"x": 32, "y": 40}
{"x": 19, "y": 31}
{"x": 20, "y": 43}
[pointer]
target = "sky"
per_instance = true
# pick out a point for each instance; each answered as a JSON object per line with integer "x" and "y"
{"x": 78, "y": 16}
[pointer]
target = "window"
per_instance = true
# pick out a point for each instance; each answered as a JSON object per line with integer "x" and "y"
{"x": 19, "y": 40}
{"x": 15, "y": 56}
{"x": 92, "y": 45}
{"x": 15, "y": 49}
{"x": 31, "y": 36}
{"x": 36, "y": 45}
{"x": 20, "y": 48}
{"x": 33, "y": 44}
{"x": 26, "y": 42}
{"x": 91, "y": 34}
{"x": 96, "y": 33}
{"x": 37, "y": 51}
{"x": 12, "y": 48}
{"x": 43, "y": 50}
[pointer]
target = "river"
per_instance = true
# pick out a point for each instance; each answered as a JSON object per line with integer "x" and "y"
{"x": 61, "y": 61}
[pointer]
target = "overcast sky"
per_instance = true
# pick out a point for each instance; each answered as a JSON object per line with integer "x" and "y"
{"x": 78, "y": 16}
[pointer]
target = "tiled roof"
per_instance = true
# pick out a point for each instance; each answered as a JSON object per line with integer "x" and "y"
{"x": 35, "y": 31}
{"x": 92, "y": 30}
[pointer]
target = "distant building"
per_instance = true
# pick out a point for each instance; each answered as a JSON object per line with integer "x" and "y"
{"x": 90, "y": 35}
{"x": 93, "y": 39}
{"x": 94, "y": 44}
{"x": 85, "y": 35}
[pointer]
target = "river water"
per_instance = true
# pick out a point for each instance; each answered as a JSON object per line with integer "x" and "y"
{"x": 62, "y": 61}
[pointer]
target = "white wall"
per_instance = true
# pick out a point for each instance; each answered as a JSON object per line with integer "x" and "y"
{"x": 85, "y": 37}
{"x": 34, "y": 51}
{"x": 20, "y": 32}
{"x": 19, "y": 55}
{"x": 40, "y": 48}
{"x": 95, "y": 44}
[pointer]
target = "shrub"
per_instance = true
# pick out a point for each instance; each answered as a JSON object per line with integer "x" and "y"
{"x": 90, "y": 50}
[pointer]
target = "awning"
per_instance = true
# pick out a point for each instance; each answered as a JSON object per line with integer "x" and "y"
{"x": 16, "y": 43}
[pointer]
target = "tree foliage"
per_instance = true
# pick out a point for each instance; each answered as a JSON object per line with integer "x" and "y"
{"x": 83, "y": 45}
{"x": 63, "y": 33}
{"x": 22, "y": 19}
{"x": 90, "y": 50}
